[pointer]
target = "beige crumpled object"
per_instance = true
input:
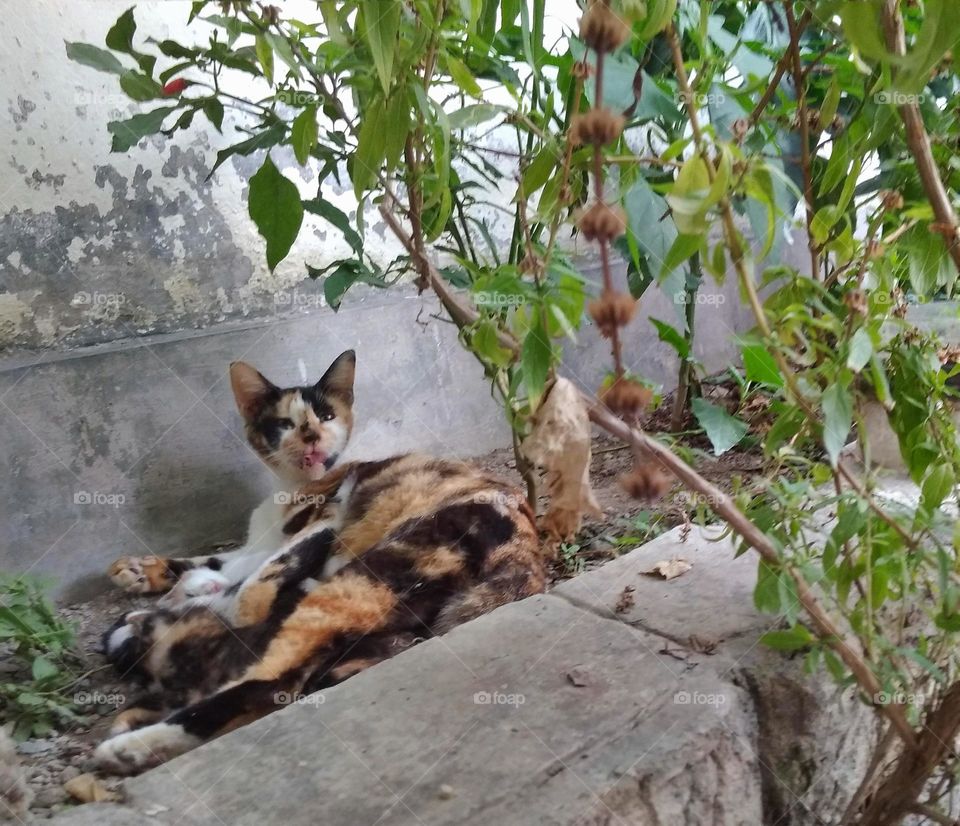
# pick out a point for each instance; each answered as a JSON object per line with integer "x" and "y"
{"x": 560, "y": 444}
{"x": 87, "y": 788}
{"x": 670, "y": 568}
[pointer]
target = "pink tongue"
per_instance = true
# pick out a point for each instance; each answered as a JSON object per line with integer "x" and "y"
{"x": 312, "y": 459}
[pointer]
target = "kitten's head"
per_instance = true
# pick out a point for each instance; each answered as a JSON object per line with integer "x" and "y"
{"x": 300, "y": 431}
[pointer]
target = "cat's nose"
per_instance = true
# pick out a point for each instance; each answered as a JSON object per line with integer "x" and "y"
{"x": 310, "y": 437}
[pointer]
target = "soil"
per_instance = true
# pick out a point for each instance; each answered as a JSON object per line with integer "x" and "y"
{"x": 50, "y": 762}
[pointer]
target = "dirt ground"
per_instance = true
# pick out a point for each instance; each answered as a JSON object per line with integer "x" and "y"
{"x": 627, "y": 523}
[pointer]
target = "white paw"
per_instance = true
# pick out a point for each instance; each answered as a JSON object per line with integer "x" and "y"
{"x": 194, "y": 584}
{"x": 144, "y": 748}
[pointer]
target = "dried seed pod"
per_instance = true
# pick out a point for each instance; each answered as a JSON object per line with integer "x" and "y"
{"x": 856, "y": 300}
{"x": 598, "y": 127}
{"x": 626, "y": 397}
{"x": 645, "y": 482}
{"x": 602, "y": 30}
{"x": 891, "y": 199}
{"x": 612, "y": 311}
{"x": 581, "y": 70}
{"x": 602, "y": 222}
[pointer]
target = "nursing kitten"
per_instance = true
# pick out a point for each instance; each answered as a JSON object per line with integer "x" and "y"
{"x": 369, "y": 558}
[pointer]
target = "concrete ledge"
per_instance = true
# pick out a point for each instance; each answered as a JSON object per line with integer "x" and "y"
{"x": 555, "y": 710}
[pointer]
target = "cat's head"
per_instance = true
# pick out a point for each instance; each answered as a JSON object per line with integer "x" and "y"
{"x": 299, "y": 431}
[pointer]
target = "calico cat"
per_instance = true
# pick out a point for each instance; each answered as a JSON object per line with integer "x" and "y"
{"x": 369, "y": 558}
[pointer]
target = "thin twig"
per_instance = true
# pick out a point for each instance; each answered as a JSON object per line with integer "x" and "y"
{"x": 721, "y": 504}
{"x": 919, "y": 142}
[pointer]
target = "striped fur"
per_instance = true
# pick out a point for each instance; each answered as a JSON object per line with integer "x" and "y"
{"x": 374, "y": 557}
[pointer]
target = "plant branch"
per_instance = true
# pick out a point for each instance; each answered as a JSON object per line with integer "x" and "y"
{"x": 463, "y": 314}
{"x": 829, "y": 631}
{"x": 919, "y": 142}
{"x": 804, "y": 120}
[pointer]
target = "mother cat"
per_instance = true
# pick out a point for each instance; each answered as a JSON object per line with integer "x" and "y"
{"x": 361, "y": 561}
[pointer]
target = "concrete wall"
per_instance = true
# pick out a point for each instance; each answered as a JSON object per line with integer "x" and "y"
{"x": 128, "y": 283}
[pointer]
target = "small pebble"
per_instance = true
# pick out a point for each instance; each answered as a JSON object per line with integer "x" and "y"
{"x": 50, "y": 796}
{"x": 445, "y": 792}
{"x": 69, "y": 773}
{"x": 34, "y": 746}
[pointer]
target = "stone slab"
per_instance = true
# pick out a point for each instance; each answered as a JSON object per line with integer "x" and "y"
{"x": 486, "y": 725}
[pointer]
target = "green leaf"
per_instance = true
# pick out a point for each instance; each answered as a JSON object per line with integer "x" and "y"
{"x": 759, "y": 364}
{"x": 120, "y": 36}
{"x": 265, "y": 57}
{"x": 939, "y": 33}
{"x": 140, "y": 87}
{"x": 539, "y": 170}
{"x": 262, "y": 140}
{"x": 336, "y": 216}
{"x": 861, "y": 348}
{"x": 397, "y": 118}
{"x": 127, "y": 133}
{"x": 792, "y": 640}
{"x": 722, "y": 429}
{"x": 536, "y": 356}
{"x": 213, "y": 109}
{"x": 683, "y": 248}
{"x": 473, "y": 115}
{"x": 339, "y": 281}
{"x": 371, "y": 148}
{"x": 837, "y": 419}
{"x": 303, "y": 134}
{"x": 95, "y": 58}
{"x": 276, "y": 209}
{"x": 486, "y": 344}
{"x": 463, "y": 77}
{"x": 861, "y": 24}
{"x": 673, "y": 337}
{"x": 43, "y": 669}
{"x": 381, "y": 22}
{"x": 936, "y": 487}
{"x": 766, "y": 594}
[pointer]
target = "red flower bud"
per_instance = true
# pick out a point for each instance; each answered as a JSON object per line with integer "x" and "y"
{"x": 174, "y": 87}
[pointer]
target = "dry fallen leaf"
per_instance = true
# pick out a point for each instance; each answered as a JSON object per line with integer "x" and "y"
{"x": 88, "y": 789}
{"x": 670, "y": 568}
{"x": 560, "y": 444}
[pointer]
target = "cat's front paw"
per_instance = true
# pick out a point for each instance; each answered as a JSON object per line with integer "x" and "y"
{"x": 141, "y": 574}
{"x": 142, "y": 749}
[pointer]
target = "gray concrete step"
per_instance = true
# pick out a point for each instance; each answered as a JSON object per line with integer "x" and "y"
{"x": 555, "y": 710}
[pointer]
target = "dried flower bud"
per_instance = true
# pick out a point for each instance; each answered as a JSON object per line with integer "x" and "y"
{"x": 602, "y": 30}
{"x": 856, "y": 300}
{"x": 531, "y": 264}
{"x": 612, "y": 311}
{"x": 948, "y": 231}
{"x": 271, "y": 14}
{"x": 645, "y": 482}
{"x": 740, "y": 128}
{"x": 581, "y": 70}
{"x": 598, "y": 127}
{"x": 626, "y": 397}
{"x": 601, "y": 222}
{"x": 891, "y": 199}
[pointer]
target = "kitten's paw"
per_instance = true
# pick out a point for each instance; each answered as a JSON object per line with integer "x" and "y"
{"x": 141, "y": 574}
{"x": 133, "y": 718}
{"x": 135, "y": 751}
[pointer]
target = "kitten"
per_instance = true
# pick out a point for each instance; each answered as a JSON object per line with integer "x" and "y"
{"x": 369, "y": 558}
{"x": 299, "y": 433}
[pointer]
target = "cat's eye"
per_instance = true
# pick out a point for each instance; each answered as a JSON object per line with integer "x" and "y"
{"x": 327, "y": 417}
{"x": 284, "y": 423}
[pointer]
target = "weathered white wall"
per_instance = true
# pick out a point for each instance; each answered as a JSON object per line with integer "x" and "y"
{"x": 127, "y": 285}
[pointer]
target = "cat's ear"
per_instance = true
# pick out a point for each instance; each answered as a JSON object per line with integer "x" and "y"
{"x": 250, "y": 388}
{"x": 338, "y": 379}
